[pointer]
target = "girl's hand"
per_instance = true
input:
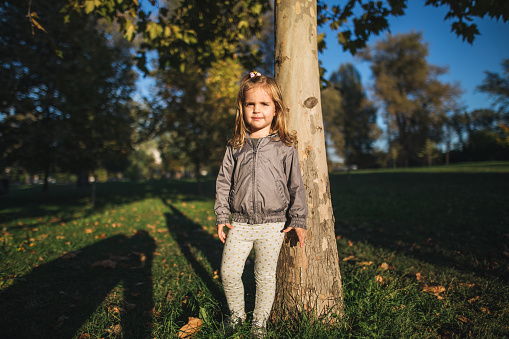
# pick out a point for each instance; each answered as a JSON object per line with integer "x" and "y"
{"x": 220, "y": 231}
{"x": 301, "y": 234}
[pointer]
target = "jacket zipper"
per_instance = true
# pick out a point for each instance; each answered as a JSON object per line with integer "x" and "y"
{"x": 255, "y": 150}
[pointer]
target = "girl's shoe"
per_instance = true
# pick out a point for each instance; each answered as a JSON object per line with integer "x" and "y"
{"x": 229, "y": 325}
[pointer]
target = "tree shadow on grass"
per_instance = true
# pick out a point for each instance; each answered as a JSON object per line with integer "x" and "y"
{"x": 57, "y": 298}
{"x": 192, "y": 238}
{"x": 453, "y": 220}
{"x": 68, "y": 203}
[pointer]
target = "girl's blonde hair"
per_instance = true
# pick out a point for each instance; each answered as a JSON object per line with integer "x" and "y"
{"x": 279, "y": 123}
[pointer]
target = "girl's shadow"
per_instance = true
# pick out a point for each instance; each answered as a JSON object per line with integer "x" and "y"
{"x": 55, "y": 299}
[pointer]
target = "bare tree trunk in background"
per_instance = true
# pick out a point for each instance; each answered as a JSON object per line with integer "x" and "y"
{"x": 308, "y": 279}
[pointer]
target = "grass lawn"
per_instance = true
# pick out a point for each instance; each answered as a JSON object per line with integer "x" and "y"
{"x": 423, "y": 253}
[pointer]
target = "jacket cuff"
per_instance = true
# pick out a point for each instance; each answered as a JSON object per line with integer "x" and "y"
{"x": 297, "y": 222}
{"x": 222, "y": 219}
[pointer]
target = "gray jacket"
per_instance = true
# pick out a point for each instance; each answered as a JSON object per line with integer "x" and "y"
{"x": 261, "y": 184}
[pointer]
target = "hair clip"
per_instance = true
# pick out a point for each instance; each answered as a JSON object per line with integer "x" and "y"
{"x": 255, "y": 73}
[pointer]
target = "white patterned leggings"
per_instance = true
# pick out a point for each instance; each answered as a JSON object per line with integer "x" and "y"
{"x": 267, "y": 240}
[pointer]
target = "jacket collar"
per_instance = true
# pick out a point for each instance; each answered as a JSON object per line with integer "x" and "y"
{"x": 269, "y": 137}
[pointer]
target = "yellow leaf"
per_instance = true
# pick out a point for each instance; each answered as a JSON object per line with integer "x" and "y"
{"x": 192, "y": 326}
{"x": 366, "y": 263}
{"x": 36, "y": 24}
{"x": 89, "y": 6}
{"x": 384, "y": 266}
{"x": 349, "y": 258}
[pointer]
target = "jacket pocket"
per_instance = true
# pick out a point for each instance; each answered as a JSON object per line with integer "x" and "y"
{"x": 282, "y": 194}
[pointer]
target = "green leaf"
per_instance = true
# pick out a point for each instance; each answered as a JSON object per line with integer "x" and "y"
{"x": 89, "y": 6}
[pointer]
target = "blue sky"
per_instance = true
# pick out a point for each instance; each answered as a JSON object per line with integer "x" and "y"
{"x": 466, "y": 62}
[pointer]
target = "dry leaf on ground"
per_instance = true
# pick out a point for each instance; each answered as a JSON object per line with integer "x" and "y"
{"x": 116, "y": 329}
{"x": 105, "y": 263}
{"x": 384, "y": 266}
{"x": 473, "y": 299}
{"x": 435, "y": 290}
{"x": 463, "y": 319}
{"x": 350, "y": 257}
{"x": 380, "y": 279}
{"x": 68, "y": 255}
{"x": 60, "y": 321}
{"x": 366, "y": 263}
{"x": 192, "y": 326}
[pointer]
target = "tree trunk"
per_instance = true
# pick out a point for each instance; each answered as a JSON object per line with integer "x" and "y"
{"x": 309, "y": 280}
{"x": 93, "y": 191}
{"x": 82, "y": 180}
{"x": 197, "y": 169}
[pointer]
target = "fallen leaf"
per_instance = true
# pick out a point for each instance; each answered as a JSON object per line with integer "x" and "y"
{"x": 380, "y": 279}
{"x": 60, "y": 321}
{"x": 419, "y": 276}
{"x": 433, "y": 289}
{"x": 116, "y": 329}
{"x": 115, "y": 309}
{"x": 150, "y": 312}
{"x": 384, "y": 266}
{"x": 69, "y": 255}
{"x": 463, "y": 319}
{"x": 485, "y": 310}
{"x": 88, "y": 230}
{"x": 84, "y": 336}
{"x": 467, "y": 285}
{"x": 366, "y": 263}
{"x": 473, "y": 299}
{"x": 350, "y": 243}
{"x": 129, "y": 306}
{"x": 350, "y": 257}
{"x": 192, "y": 326}
{"x": 105, "y": 264}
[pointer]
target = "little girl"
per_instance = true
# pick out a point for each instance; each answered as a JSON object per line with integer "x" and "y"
{"x": 260, "y": 186}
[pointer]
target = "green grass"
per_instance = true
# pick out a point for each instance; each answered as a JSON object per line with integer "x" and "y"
{"x": 399, "y": 232}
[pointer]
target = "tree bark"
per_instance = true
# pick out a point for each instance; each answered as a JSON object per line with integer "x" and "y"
{"x": 308, "y": 279}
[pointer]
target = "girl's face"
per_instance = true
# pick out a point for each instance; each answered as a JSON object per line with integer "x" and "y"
{"x": 259, "y": 111}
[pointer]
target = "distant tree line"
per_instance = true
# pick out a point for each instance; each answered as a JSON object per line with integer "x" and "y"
{"x": 420, "y": 113}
